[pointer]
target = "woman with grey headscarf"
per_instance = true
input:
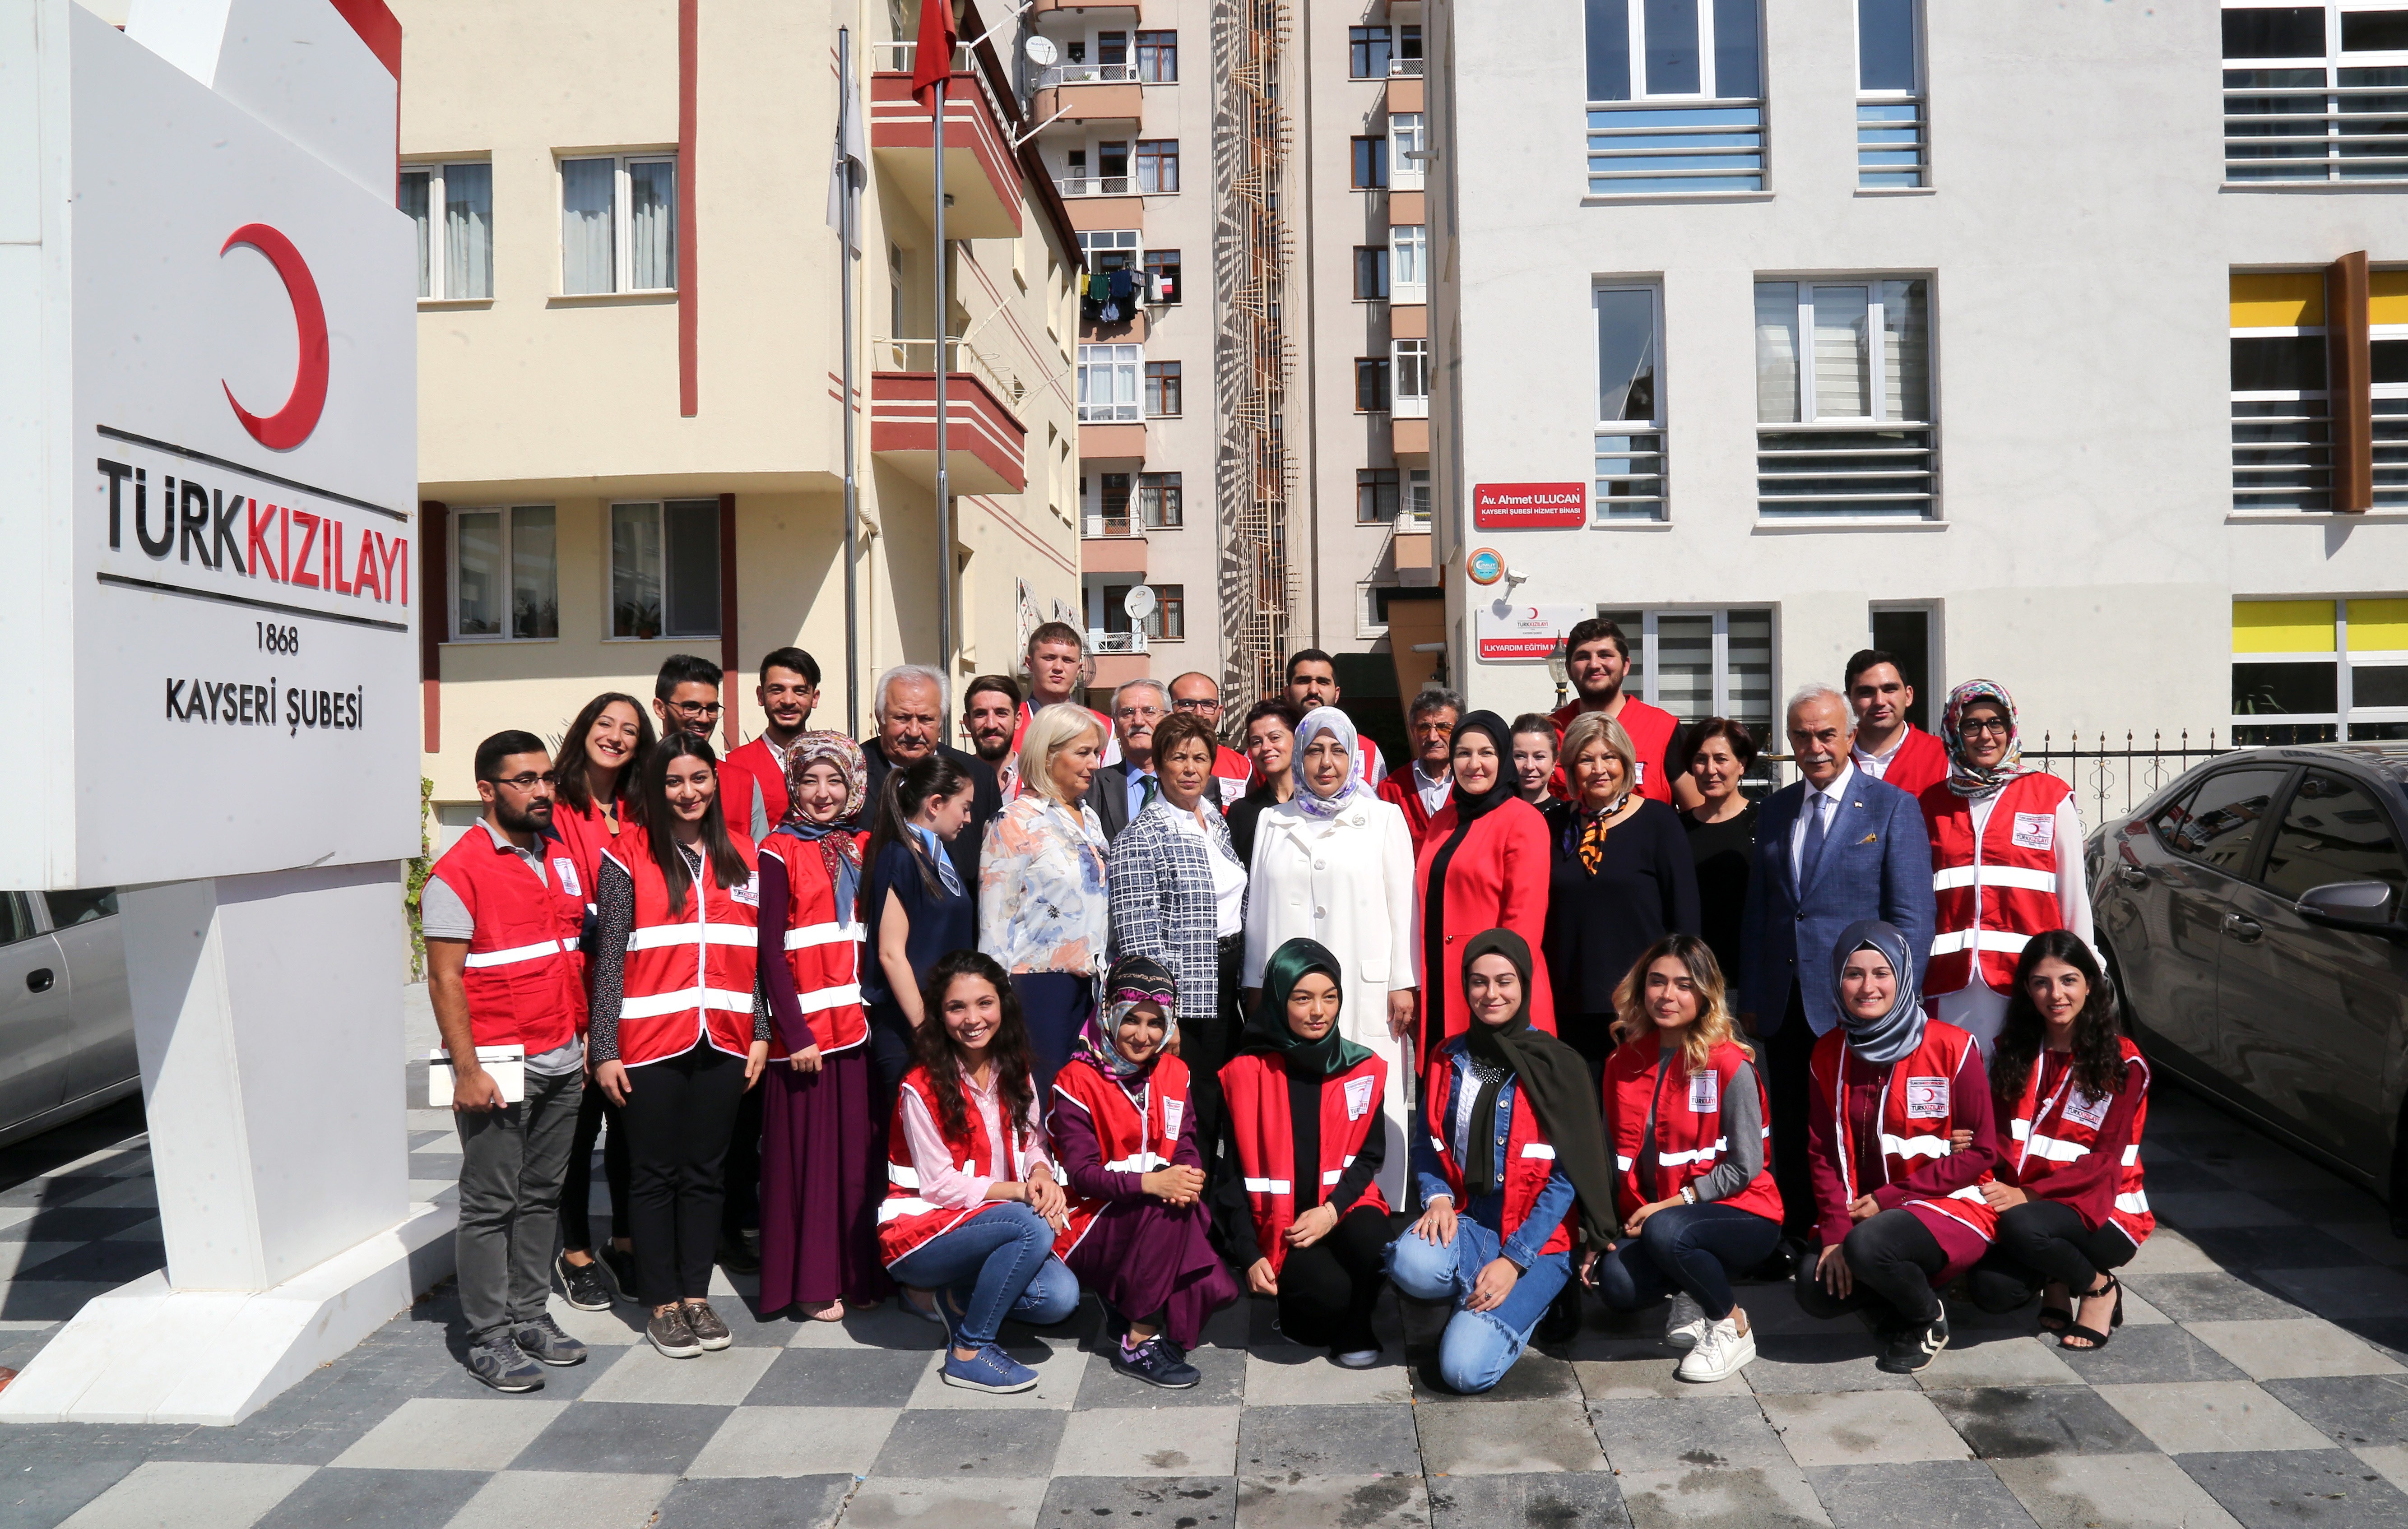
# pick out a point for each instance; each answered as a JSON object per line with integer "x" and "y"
{"x": 1890, "y": 1095}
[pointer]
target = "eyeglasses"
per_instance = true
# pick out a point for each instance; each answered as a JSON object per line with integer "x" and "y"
{"x": 528, "y": 782}
{"x": 1986, "y": 724}
{"x": 696, "y": 708}
{"x": 1196, "y": 703}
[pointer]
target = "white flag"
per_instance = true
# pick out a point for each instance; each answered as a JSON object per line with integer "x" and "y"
{"x": 849, "y": 169}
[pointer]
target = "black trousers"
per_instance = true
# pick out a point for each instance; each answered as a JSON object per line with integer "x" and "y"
{"x": 2041, "y": 1243}
{"x": 1327, "y": 1291}
{"x": 680, "y": 1114}
{"x": 577, "y": 1187}
{"x": 741, "y": 1206}
{"x": 1204, "y": 1044}
{"x": 1894, "y": 1258}
{"x": 1785, "y": 1053}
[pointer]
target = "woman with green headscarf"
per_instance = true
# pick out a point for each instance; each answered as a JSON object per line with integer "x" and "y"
{"x": 1300, "y": 1203}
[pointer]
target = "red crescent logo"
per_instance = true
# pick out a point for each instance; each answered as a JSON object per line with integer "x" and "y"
{"x": 289, "y": 426}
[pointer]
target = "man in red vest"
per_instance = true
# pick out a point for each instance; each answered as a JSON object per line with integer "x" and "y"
{"x": 1599, "y": 657}
{"x": 500, "y": 913}
{"x": 752, "y": 779}
{"x": 1420, "y": 790}
{"x": 1888, "y": 746}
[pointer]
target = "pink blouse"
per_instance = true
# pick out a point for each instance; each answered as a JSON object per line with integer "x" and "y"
{"x": 943, "y": 1185}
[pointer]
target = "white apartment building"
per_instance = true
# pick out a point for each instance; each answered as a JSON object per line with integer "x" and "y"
{"x": 2065, "y": 346}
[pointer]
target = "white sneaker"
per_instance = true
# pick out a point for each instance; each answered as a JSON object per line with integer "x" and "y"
{"x": 1720, "y": 1353}
{"x": 1687, "y": 1335}
{"x": 1684, "y": 1323}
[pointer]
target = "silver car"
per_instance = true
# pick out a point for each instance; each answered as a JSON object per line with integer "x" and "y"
{"x": 2253, "y": 914}
{"x": 66, "y": 1027}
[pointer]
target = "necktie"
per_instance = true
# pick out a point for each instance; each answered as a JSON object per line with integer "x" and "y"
{"x": 1146, "y": 792}
{"x": 1817, "y": 806}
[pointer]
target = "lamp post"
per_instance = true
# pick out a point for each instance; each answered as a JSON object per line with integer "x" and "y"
{"x": 1559, "y": 669}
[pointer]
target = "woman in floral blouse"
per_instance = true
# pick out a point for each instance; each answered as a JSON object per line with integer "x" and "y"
{"x": 1042, "y": 911}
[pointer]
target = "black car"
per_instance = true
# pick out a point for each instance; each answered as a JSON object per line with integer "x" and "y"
{"x": 2253, "y": 914}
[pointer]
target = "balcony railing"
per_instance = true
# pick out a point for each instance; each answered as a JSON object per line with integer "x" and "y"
{"x": 1410, "y": 406}
{"x": 2292, "y": 125}
{"x": 2391, "y": 453}
{"x": 895, "y": 58}
{"x": 1647, "y": 149}
{"x": 1855, "y": 470}
{"x": 901, "y": 355}
{"x": 1114, "y": 642}
{"x": 1087, "y": 74}
{"x": 1405, "y": 68}
{"x": 1889, "y": 145}
{"x": 2281, "y": 454}
{"x": 1110, "y": 525}
{"x": 1096, "y": 185}
{"x": 1630, "y": 475}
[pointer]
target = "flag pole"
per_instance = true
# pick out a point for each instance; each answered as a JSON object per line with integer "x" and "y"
{"x": 944, "y": 478}
{"x": 847, "y": 240}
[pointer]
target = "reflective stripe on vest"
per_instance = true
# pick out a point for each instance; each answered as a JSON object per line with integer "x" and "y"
{"x": 517, "y": 954}
{"x": 1269, "y": 1186}
{"x": 658, "y": 1004}
{"x": 660, "y": 936}
{"x": 822, "y": 934}
{"x": 811, "y": 1003}
{"x": 2000, "y": 940}
{"x": 1994, "y": 875}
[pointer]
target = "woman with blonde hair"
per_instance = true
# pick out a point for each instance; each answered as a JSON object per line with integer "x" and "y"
{"x": 1043, "y": 911}
{"x": 1684, "y": 1113}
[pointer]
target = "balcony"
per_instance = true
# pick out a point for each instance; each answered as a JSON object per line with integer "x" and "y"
{"x": 1406, "y": 91}
{"x": 982, "y": 175}
{"x": 1404, "y": 68}
{"x": 985, "y": 444}
{"x": 1096, "y": 185}
{"x": 1089, "y": 93}
{"x": 1112, "y": 551}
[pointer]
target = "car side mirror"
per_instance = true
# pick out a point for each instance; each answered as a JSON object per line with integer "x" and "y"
{"x": 2361, "y": 904}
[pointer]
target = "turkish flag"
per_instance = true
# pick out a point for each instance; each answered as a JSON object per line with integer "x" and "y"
{"x": 933, "y": 58}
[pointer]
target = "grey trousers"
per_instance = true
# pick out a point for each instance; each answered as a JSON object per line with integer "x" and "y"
{"x": 511, "y": 1162}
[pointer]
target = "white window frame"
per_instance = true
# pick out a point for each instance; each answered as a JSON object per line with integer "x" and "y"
{"x": 439, "y": 226}
{"x": 1413, "y": 500}
{"x": 1640, "y": 626}
{"x": 508, "y": 514}
{"x": 610, "y": 571}
{"x": 622, "y": 222}
{"x": 1112, "y": 241}
{"x": 1408, "y": 138}
{"x": 1408, "y": 241}
{"x": 1408, "y": 358}
{"x": 1876, "y": 351}
{"x": 1884, "y": 118}
{"x": 2336, "y": 96}
{"x": 1707, "y": 83}
{"x": 1123, "y": 360}
{"x": 2347, "y": 712}
{"x": 1634, "y": 510}
{"x": 2298, "y": 397}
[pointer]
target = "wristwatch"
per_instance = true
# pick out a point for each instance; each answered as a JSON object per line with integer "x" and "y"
{"x": 1688, "y": 1194}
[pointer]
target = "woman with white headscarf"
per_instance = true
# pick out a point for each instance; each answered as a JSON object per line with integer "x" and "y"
{"x": 1335, "y": 864}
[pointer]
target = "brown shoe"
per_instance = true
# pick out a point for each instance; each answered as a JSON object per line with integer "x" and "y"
{"x": 708, "y": 1329}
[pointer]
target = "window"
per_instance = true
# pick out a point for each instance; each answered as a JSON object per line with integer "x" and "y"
{"x": 2333, "y": 831}
{"x": 1408, "y": 57}
{"x": 1111, "y": 52}
{"x": 1109, "y": 250}
{"x": 453, "y": 208}
{"x": 665, "y": 569}
{"x": 1828, "y": 410}
{"x": 1408, "y": 258}
{"x": 2320, "y": 671}
{"x": 1405, "y": 146}
{"x": 1109, "y": 516}
{"x": 1162, "y": 268}
{"x": 1410, "y": 361}
{"x": 1157, "y": 57}
{"x": 1415, "y": 511}
{"x": 1168, "y": 621}
{"x": 1699, "y": 664}
{"x": 1629, "y": 463}
{"x": 1157, "y": 164}
{"x": 1158, "y": 501}
{"x": 2218, "y": 823}
{"x": 1907, "y": 632}
{"x": 1675, "y": 92}
{"x": 1370, "y": 384}
{"x": 1375, "y": 495}
{"x": 618, "y": 224}
{"x": 2281, "y": 412}
{"x": 1370, "y": 271}
{"x": 1368, "y": 51}
{"x": 1162, "y": 390}
{"x": 1889, "y": 99}
{"x": 505, "y": 573}
{"x": 1371, "y": 163}
{"x": 2316, "y": 93}
{"x": 1108, "y": 377}
{"x": 1375, "y": 603}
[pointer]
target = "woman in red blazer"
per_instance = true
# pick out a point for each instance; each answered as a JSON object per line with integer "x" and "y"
{"x": 1485, "y": 857}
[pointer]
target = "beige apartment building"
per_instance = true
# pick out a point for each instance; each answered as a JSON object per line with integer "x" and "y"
{"x": 630, "y": 352}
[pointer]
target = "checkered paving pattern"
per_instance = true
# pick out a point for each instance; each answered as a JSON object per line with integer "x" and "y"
{"x": 2259, "y": 1380}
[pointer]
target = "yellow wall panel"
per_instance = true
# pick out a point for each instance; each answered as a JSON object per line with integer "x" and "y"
{"x": 2378, "y": 626}
{"x": 2386, "y": 297}
{"x": 2282, "y": 626}
{"x": 2277, "y": 299}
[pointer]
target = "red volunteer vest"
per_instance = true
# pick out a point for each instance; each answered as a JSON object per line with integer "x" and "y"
{"x": 755, "y": 763}
{"x": 1997, "y": 892}
{"x": 1254, "y": 1088}
{"x": 525, "y": 980}
{"x": 1918, "y": 1110}
{"x": 1689, "y": 1139}
{"x": 579, "y": 838}
{"x": 1650, "y": 730}
{"x": 823, "y": 955}
{"x": 905, "y": 1221}
{"x": 1917, "y": 763}
{"x": 1529, "y": 1159}
{"x": 1132, "y": 1139}
{"x": 689, "y": 976}
{"x": 2061, "y": 1130}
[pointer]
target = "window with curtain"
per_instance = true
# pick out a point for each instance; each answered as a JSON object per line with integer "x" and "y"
{"x": 1840, "y": 366}
{"x": 1630, "y": 435}
{"x": 1675, "y": 92}
{"x": 505, "y": 573}
{"x": 1408, "y": 261}
{"x": 1157, "y": 57}
{"x": 618, "y": 224}
{"x": 664, "y": 568}
{"x": 1157, "y": 164}
{"x": 1375, "y": 495}
{"x": 1108, "y": 383}
{"x": 1368, "y": 50}
{"x": 453, "y": 206}
{"x": 1405, "y": 146}
{"x": 1159, "y": 501}
{"x": 1163, "y": 388}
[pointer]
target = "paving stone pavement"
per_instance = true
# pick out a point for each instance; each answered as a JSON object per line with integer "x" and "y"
{"x": 2261, "y": 1378}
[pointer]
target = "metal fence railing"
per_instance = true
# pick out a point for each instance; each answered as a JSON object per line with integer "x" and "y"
{"x": 2108, "y": 780}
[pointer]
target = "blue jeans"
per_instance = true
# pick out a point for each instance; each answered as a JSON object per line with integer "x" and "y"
{"x": 1690, "y": 1248}
{"x": 1478, "y": 1347}
{"x": 998, "y": 1264}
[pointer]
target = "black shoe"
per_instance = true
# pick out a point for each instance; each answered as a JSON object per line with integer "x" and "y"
{"x": 543, "y": 1340}
{"x": 496, "y": 1361}
{"x": 586, "y": 1286}
{"x": 1909, "y": 1350}
{"x": 1157, "y": 1363}
{"x": 708, "y": 1329}
{"x": 737, "y": 1258}
{"x": 621, "y": 1265}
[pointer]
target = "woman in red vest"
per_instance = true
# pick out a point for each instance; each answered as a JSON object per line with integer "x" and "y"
{"x": 1124, "y": 1133}
{"x": 1483, "y": 863}
{"x": 1901, "y": 1213}
{"x": 2075, "y": 1094}
{"x": 972, "y": 1207}
{"x": 1508, "y": 1140}
{"x": 1299, "y": 1206}
{"x": 595, "y": 767}
{"x": 823, "y": 1169}
{"x": 680, "y": 1028}
{"x": 1685, "y": 1113}
{"x": 2006, "y": 861}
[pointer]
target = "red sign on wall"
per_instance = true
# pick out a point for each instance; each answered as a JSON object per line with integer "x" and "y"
{"x": 1529, "y": 506}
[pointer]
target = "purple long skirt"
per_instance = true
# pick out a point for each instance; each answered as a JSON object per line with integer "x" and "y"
{"x": 823, "y": 1173}
{"x": 1146, "y": 1257}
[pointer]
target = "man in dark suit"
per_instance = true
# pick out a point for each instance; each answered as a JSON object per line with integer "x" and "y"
{"x": 1833, "y": 848}
{"x": 1123, "y": 789}
{"x": 909, "y": 705}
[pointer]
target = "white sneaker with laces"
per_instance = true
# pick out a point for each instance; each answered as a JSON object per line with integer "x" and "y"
{"x": 1687, "y": 1335}
{"x": 1720, "y": 1353}
{"x": 1684, "y": 1323}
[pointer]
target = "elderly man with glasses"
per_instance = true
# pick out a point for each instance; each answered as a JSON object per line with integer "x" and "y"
{"x": 908, "y": 704}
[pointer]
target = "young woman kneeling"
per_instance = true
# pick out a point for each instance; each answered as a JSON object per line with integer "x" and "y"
{"x": 1125, "y": 1132}
{"x": 1685, "y": 1109}
{"x": 971, "y": 1206}
{"x": 1508, "y": 1140}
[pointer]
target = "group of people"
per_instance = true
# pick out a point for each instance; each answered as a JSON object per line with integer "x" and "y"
{"x": 1103, "y": 1004}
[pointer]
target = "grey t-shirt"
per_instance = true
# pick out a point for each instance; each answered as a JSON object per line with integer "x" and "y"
{"x": 441, "y": 915}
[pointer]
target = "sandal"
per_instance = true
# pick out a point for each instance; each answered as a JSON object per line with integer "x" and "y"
{"x": 2054, "y": 1319}
{"x": 2094, "y": 1340}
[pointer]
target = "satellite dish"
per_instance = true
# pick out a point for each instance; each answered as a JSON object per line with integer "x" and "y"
{"x": 1040, "y": 51}
{"x": 1140, "y": 602}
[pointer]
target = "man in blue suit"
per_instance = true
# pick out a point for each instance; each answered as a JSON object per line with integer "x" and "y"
{"x": 1833, "y": 848}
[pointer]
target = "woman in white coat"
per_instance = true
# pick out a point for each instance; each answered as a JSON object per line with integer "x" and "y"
{"x": 1335, "y": 864}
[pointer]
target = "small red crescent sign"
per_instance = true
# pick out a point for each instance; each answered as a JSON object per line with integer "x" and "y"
{"x": 289, "y": 426}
